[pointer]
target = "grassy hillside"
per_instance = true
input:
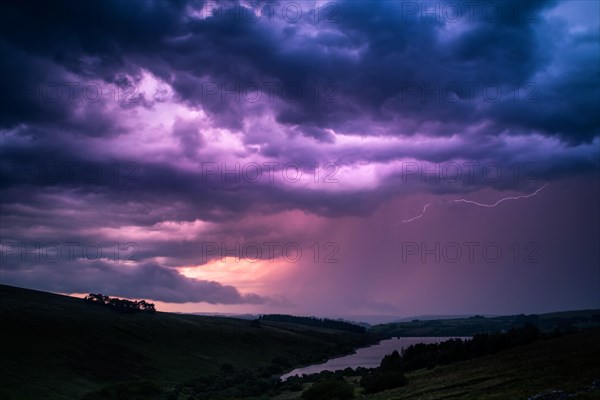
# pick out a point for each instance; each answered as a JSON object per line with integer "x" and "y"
{"x": 570, "y": 363}
{"x": 59, "y": 347}
{"x": 471, "y": 325}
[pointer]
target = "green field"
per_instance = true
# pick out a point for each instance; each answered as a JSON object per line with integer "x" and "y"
{"x": 580, "y": 319}
{"x": 60, "y": 347}
{"x": 569, "y": 363}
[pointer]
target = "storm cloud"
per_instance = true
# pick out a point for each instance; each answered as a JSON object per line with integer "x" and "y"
{"x": 172, "y": 124}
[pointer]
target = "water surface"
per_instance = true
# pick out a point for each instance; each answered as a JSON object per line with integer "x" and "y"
{"x": 367, "y": 357}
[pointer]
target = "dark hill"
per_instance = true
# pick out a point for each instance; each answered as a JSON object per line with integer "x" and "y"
{"x": 60, "y": 347}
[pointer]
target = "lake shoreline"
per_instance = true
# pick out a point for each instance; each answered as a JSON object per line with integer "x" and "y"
{"x": 371, "y": 356}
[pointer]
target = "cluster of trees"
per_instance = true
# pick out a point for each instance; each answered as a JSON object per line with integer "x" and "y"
{"x": 232, "y": 383}
{"x": 523, "y": 319}
{"x": 331, "y": 384}
{"x": 121, "y": 305}
{"x": 429, "y": 355}
{"x": 261, "y": 383}
{"x": 313, "y": 321}
{"x": 389, "y": 375}
{"x": 329, "y": 389}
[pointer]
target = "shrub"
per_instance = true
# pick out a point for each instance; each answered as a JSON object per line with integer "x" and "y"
{"x": 329, "y": 389}
{"x": 379, "y": 381}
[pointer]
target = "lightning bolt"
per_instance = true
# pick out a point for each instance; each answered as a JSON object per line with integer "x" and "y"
{"x": 475, "y": 203}
{"x": 414, "y": 218}
{"x": 501, "y": 200}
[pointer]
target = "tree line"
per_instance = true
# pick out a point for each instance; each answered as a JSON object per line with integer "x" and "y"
{"x": 121, "y": 305}
{"x": 423, "y": 355}
{"x": 314, "y": 321}
{"x": 390, "y": 372}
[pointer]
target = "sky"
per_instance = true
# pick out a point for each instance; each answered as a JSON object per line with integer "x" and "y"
{"x": 342, "y": 158}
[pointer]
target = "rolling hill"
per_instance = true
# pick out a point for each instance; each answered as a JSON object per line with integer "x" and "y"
{"x": 60, "y": 347}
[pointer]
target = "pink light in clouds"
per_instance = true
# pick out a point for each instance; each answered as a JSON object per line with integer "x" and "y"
{"x": 258, "y": 277}
{"x": 162, "y": 231}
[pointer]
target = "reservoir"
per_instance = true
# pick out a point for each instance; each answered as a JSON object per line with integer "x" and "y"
{"x": 367, "y": 357}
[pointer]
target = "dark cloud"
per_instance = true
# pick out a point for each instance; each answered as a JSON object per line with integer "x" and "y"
{"x": 86, "y": 145}
{"x": 189, "y": 138}
{"x": 148, "y": 281}
{"x": 376, "y": 61}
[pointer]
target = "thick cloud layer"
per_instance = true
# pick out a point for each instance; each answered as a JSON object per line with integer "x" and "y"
{"x": 173, "y": 124}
